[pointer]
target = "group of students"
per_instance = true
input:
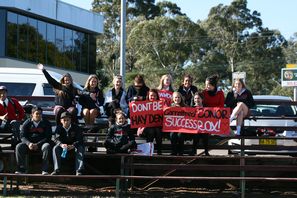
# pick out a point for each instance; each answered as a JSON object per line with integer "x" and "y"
{"x": 36, "y": 132}
{"x": 239, "y": 99}
{"x": 115, "y": 102}
{"x": 35, "y": 135}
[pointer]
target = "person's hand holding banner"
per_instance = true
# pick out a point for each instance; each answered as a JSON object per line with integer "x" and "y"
{"x": 140, "y": 131}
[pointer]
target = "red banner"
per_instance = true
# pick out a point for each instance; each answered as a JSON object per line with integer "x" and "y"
{"x": 197, "y": 120}
{"x": 166, "y": 96}
{"x": 146, "y": 113}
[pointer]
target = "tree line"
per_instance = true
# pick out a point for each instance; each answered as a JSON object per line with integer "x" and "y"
{"x": 161, "y": 39}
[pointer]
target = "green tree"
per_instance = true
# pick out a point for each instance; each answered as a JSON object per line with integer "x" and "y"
{"x": 145, "y": 8}
{"x": 169, "y": 50}
{"x": 108, "y": 43}
{"x": 229, "y": 26}
{"x": 169, "y": 9}
{"x": 237, "y": 34}
{"x": 263, "y": 60}
{"x": 283, "y": 91}
{"x": 290, "y": 50}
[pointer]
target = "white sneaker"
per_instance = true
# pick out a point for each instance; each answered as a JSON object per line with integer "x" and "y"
{"x": 78, "y": 173}
{"x": 231, "y": 119}
{"x": 19, "y": 172}
{"x": 44, "y": 173}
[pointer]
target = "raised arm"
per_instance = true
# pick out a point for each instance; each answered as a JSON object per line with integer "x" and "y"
{"x": 55, "y": 84}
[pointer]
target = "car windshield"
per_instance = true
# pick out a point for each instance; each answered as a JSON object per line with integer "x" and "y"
{"x": 273, "y": 110}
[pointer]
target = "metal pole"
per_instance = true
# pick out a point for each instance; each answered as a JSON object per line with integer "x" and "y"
{"x": 242, "y": 163}
{"x": 123, "y": 41}
{"x": 118, "y": 187}
{"x": 4, "y": 186}
{"x": 295, "y": 93}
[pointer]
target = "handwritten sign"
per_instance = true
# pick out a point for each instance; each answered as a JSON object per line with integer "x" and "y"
{"x": 166, "y": 96}
{"x": 146, "y": 113}
{"x": 196, "y": 120}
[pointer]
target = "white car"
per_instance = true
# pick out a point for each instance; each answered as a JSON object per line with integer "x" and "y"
{"x": 28, "y": 82}
{"x": 267, "y": 107}
{"x": 31, "y": 82}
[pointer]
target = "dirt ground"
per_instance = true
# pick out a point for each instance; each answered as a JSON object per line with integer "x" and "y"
{"x": 45, "y": 189}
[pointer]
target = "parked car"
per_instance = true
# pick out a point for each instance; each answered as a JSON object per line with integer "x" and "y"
{"x": 269, "y": 109}
{"x": 28, "y": 82}
{"x": 31, "y": 83}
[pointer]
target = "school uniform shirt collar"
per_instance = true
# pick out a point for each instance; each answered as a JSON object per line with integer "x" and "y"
{"x": 68, "y": 128}
{"x": 241, "y": 91}
{"x": 6, "y": 102}
{"x": 186, "y": 89}
{"x": 35, "y": 123}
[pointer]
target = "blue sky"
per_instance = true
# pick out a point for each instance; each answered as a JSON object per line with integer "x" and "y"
{"x": 275, "y": 14}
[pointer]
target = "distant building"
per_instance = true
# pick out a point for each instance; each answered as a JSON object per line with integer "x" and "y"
{"x": 52, "y": 32}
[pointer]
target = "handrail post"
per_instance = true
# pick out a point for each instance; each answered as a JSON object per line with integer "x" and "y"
{"x": 131, "y": 162}
{"x": 242, "y": 164}
{"x": 117, "y": 187}
{"x": 127, "y": 171}
{"x": 11, "y": 164}
{"x": 119, "y": 183}
{"x": 4, "y": 186}
{"x": 122, "y": 173}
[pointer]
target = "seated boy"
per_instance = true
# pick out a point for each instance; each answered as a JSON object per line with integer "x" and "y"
{"x": 70, "y": 139}
{"x": 36, "y": 134}
{"x": 119, "y": 137}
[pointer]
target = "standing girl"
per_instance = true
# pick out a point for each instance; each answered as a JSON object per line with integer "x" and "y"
{"x": 177, "y": 139}
{"x": 212, "y": 97}
{"x": 166, "y": 89}
{"x": 198, "y": 103}
{"x": 187, "y": 89}
{"x": 166, "y": 83}
{"x": 152, "y": 133}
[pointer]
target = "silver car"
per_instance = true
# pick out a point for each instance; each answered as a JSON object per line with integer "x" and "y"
{"x": 271, "y": 116}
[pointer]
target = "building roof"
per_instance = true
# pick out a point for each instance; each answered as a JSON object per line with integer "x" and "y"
{"x": 60, "y": 12}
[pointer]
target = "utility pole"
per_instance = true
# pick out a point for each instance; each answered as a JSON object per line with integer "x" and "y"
{"x": 123, "y": 42}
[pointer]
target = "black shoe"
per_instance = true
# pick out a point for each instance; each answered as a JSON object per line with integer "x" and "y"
{"x": 92, "y": 149}
{"x": 110, "y": 151}
{"x": 193, "y": 152}
{"x": 206, "y": 153}
{"x": 56, "y": 172}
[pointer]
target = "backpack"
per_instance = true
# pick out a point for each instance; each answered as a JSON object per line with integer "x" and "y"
{"x": 14, "y": 106}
